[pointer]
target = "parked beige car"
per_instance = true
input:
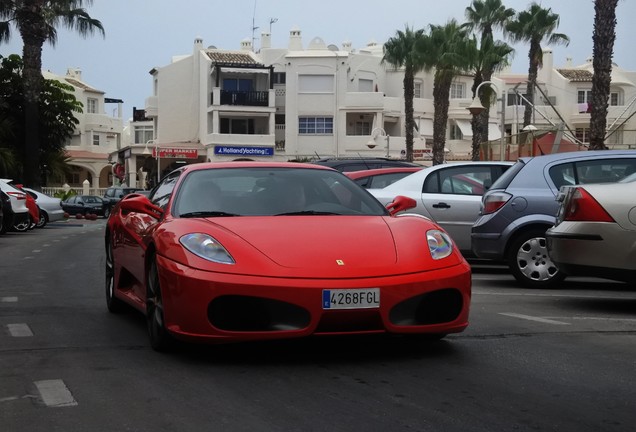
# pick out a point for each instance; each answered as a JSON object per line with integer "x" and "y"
{"x": 595, "y": 231}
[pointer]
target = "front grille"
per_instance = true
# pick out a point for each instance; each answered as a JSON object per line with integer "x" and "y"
{"x": 436, "y": 307}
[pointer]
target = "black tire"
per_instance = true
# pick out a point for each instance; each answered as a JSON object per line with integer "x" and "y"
{"x": 44, "y": 219}
{"x": 23, "y": 226}
{"x": 107, "y": 212}
{"x": 160, "y": 338}
{"x": 114, "y": 304}
{"x": 530, "y": 263}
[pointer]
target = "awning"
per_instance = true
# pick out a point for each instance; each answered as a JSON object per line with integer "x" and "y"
{"x": 426, "y": 127}
{"x": 493, "y": 132}
{"x": 464, "y": 126}
{"x": 243, "y": 70}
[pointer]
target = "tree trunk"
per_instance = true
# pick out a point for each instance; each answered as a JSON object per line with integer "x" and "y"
{"x": 33, "y": 32}
{"x": 534, "y": 55}
{"x": 441, "y": 102}
{"x": 603, "y": 38}
{"x": 409, "y": 93}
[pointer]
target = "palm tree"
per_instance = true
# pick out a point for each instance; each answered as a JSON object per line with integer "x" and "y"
{"x": 37, "y": 22}
{"x": 603, "y": 38}
{"x": 535, "y": 25}
{"x": 399, "y": 51}
{"x": 485, "y": 15}
{"x": 442, "y": 50}
{"x": 484, "y": 59}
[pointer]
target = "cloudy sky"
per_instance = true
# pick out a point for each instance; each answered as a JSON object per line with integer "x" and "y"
{"x": 142, "y": 34}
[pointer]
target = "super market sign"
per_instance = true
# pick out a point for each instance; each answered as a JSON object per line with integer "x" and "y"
{"x": 243, "y": 151}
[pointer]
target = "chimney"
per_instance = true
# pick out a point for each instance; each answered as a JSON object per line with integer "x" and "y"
{"x": 295, "y": 40}
{"x": 548, "y": 62}
{"x": 198, "y": 44}
{"x": 568, "y": 62}
{"x": 246, "y": 45}
{"x": 266, "y": 40}
{"x": 75, "y": 73}
{"x": 346, "y": 46}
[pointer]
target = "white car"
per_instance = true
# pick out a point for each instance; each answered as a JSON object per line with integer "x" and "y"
{"x": 449, "y": 194}
{"x": 21, "y": 218}
{"x": 50, "y": 207}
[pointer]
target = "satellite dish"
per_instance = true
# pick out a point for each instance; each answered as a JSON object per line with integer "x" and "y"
{"x": 332, "y": 47}
{"x": 212, "y": 47}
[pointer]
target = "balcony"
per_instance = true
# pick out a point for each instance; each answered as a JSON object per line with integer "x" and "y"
{"x": 243, "y": 98}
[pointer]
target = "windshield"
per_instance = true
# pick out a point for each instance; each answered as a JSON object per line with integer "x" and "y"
{"x": 265, "y": 191}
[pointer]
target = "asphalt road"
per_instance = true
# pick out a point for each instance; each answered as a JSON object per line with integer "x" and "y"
{"x": 531, "y": 360}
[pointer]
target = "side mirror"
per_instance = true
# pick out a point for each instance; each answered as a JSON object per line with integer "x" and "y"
{"x": 400, "y": 203}
{"x": 140, "y": 204}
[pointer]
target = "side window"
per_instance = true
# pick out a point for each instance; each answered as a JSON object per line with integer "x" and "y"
{"x": 161, "y": 195}
{"x": 431, "y": 184}
{"x": 563, "y": 175}
{"x": 466, "y": 180}
{"x": 604, "y": 170}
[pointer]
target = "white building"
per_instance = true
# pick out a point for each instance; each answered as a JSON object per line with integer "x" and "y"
{"x": 98, "y": 134}
{"x": 298, "y": 103}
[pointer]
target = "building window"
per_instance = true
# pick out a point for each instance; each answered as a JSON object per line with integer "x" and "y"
{"x": 457, "y": 91}
{"x": 95, "y": 139}
{"x": 315, "y": 125}
{"x": 315, "y": 83}
{"x": 614, "y": 99}
{"x": 455, "y": 132}
{"x": 279, "y": 78}
{"x": 91, "y": 106}
{"x": 363, "y": 128}
{"x": 417, "y": 89}
{"x": 240, "y": 126}
{"x": 143, "y": 134}
{"x": 582, "y": 134}
{"x": 365, "y": 85}
{"x": 584, "y": 96}
{"x": 237, "y": 84}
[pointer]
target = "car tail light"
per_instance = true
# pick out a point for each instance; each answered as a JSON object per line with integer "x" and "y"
{"x": 583, "y": 207}
{"x": 495, "y": 201}
{"x": 17, "y": 195}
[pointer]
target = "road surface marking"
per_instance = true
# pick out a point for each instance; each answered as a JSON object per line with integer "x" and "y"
{"x": 19, "y": 330}
{"x": 8, "y": 299}
{"x": 532, "y": 318}
{"x": 54, "y": 393}
{"x": 627, "y": 296}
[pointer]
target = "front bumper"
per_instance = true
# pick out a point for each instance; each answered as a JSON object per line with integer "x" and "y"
{"x": 205, "y": 306}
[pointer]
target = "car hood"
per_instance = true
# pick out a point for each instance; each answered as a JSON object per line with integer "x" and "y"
{"x": 315, "y": 246}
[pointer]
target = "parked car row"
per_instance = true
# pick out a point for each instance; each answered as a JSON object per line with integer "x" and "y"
{"x": 500, "y": 211}
{"x": 23, "y": 209}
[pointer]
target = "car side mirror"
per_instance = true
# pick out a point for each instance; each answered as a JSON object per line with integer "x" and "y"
{"x": 400, "y": 203}
{"x": 140, "y": 204}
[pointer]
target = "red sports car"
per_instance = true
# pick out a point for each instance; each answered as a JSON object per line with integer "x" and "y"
{"x": 238, "y": 251}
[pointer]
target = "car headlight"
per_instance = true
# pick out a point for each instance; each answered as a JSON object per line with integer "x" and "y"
{"x": 206, "y": 247}
{"x": 439, "y": 243}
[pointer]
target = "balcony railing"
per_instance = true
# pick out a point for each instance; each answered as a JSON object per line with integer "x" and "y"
{"x": 244, "y": 98}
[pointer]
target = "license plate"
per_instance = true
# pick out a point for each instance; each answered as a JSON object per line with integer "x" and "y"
{"x": 351, "y": 298}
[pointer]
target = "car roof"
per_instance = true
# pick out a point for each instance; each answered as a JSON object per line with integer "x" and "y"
{"x": 379, "y": 171}
{"x": 547, "y": 158}
{"x": 250, "y": 164}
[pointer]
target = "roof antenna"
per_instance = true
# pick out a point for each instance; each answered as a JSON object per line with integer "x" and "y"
{"x": 254, "y": 27}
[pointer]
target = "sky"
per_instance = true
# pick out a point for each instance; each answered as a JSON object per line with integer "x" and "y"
{"x": 143, "y": 34}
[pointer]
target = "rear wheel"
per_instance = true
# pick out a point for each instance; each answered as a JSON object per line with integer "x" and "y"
{"x": 43, "y": 219}
{"x": 160, "y": 339}
{"x": 113, "y": 303}
{"x": 530, "y": 263}
{"x": 107, "y": 212}
{"x": 24, "y": 225}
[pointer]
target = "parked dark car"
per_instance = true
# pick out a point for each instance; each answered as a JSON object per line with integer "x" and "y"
{"x": 114, "y": 194}
{"x": 521, "y": 205}
{"x": 85, "y": 204}
{"x": 358, "y": 164}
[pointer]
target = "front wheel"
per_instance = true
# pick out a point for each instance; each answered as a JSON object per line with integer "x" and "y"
{"x": 160, "y": 339}
{"x": 530, "y": 263}
{"x": 113, "y": 303}
{"x": 107, "y": 212}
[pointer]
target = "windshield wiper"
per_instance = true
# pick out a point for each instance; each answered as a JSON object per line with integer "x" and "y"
{"x": 307, "y": 212}
{"x": 207, "y": 214}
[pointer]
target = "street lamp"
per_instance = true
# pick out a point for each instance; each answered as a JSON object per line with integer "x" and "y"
{"x": 477, "y": 108}
{"x": 148, "y": 152}
{"x": 371, "y": 143}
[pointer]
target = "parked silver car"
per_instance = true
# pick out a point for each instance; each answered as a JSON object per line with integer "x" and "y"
{"x": 520, "y": 206}
{"x": 595, "y": 231}
{"x": 50, "y": 207}
{"x": 449, "y": 194}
